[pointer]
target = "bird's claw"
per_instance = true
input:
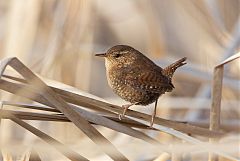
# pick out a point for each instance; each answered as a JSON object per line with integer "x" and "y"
{"x": 120, "y": 116}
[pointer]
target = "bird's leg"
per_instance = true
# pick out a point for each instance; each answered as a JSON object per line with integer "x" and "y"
{"x": 154, "y": 113}
{"x": 120, "y": 116}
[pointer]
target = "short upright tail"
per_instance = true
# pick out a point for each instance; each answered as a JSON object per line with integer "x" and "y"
{"x": 169, "y": 70}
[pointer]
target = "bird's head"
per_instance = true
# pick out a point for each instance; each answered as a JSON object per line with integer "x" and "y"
{"x": 121, "y": 55}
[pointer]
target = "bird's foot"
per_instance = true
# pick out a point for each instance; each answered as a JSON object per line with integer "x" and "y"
{"x": 153, "y": 114}
{"x": 120, "y": 116}
{"x": 125, "y": 107}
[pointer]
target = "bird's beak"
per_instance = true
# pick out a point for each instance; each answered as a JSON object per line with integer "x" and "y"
{"x": 101, "y": 55}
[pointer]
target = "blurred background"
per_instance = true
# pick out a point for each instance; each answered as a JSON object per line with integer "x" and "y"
{"x": 58, "y": 39}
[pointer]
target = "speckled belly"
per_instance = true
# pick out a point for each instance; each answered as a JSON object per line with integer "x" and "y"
{"x": 136, "y": 96}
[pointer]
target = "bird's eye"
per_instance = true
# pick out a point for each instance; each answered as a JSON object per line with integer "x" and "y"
{"x": 117, "y": 55}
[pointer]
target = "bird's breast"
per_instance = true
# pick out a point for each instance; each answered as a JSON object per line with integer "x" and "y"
{"x": 108, "y": 73}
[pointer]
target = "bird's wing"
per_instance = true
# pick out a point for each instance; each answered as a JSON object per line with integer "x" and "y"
{"x": 150, "y": 80}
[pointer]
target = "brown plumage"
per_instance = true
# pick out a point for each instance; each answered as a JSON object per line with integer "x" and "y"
{"x": 135, "y": 78}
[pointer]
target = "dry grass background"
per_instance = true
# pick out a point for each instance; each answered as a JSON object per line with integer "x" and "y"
{"x": 57, "y": 40}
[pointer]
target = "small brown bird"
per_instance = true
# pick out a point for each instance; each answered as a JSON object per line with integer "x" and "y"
{"x": 135, "y": 78}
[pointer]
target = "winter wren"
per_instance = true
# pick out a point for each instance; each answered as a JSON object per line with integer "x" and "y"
{"x": 135, "y": 78}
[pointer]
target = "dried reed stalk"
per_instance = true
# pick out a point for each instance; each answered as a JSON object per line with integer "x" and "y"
{"x": 215, "y": 111}
{"x": 59, "y": 146}
{"x": 96, "y": 104}
{"x": 61, "y": 105}
{"x": 216, "y": 104}
{"x": 96, "y": 119}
